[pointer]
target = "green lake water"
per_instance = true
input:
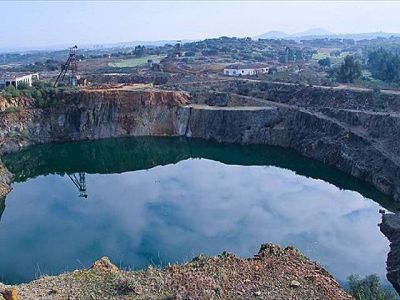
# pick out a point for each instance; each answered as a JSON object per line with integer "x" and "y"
{"x": 164, "y": 200}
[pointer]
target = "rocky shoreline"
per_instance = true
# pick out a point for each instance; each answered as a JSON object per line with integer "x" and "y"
{"x": 358, "y": 142}
{"x": 336, "y": 137}
{"x": 390, "y": 227}
{"x": 274, "y": 273}
{"x": 5, "y": 181}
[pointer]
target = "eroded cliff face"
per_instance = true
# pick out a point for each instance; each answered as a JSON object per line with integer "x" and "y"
{"x": 390, "y": 227}
{"x": 310, "y": 133}
{"x": 5, "y": 181}
{"x": 94, "y": 114}
{"x": 15, "y": 103}
{"x": 359, "y": 143}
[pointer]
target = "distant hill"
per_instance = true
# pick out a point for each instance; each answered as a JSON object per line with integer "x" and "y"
{"x": 314, "y": 32}
{"x": 318, "y": 33}
{"x": 119, "y": 45}
{"x": 273, "y": 35}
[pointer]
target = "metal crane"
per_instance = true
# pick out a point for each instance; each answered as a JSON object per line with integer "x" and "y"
{"x": 72, "y": 65}
{"x": 79, "y": 183}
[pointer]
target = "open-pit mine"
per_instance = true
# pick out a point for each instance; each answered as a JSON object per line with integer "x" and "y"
{"x": 113, "y": 171}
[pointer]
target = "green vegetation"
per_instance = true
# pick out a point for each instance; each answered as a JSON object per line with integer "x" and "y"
{"x": 384, "y": 65}
{"x": 296, "y": 54}
{"x": 325, "y": 62}
{"x": 43, "y": 92}
{"x": 349, "y": 71}
{"x": 320, "y": 55}
{"x": 333, "y": 55}
{"x": 134, "y": 62}
{"x": 139, "y": 51}
{"x": 190, "y": 53}
{"x": 39, "y": 66}
{"x": 11, "y": 109}
{"x": 160, "y": 78}
{"x": 369, "y": 288}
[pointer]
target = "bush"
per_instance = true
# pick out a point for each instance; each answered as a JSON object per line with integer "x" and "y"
{"x": 369, "y": 288}
{"x": 11, "y": 91}
{"x": 349, "y": 71}
{"x": 160, "y": 79}
{"x": 11, "y": 109}
{"x": 43, "y": 92}
{"x": 325, "y": 62}
{"x": 190, "y": 53}
{"x": 384, "y": 65}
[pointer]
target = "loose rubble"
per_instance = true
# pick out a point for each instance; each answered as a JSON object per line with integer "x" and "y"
{"x": 274, "y": 273}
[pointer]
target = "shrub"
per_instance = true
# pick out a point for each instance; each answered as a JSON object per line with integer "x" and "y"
{"x": 160, "y": 79}
{"x": 349, "y": 71}
{"x": 369, "y": 288}
{"x": 190, "y": 53}
{"x": 325, "y": 62}
{"x": 384, "y": 65}
{"x": 43, "y": 92}
{"x": 11, "y": 109}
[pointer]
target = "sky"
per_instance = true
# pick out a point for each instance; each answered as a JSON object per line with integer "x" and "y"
{"x": 51, "y": 23}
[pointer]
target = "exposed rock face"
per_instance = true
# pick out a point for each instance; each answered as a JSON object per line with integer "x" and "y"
{"x": 93, "y": 114}
{"x": 16, "y": 103}
{"x": 390, "y": 227}
{"x": 97, "y": 114}
{"x": 311, "y": 133}
{"x": 360, "y": 143}
{"x": 319, "y": 97}
{"x": 245, "y": 125}
{"x": 5, "y": 180}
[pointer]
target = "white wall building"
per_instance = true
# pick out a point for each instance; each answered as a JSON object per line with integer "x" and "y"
{"x": 244, "y": 70}
{"x": 16, "y": 80}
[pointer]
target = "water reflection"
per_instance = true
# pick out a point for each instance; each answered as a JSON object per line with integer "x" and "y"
{"x": 79, "y": 180}
{"x": 172, "y": 212}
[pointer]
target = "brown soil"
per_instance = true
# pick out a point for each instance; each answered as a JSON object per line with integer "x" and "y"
{"x": 274, "y": 273}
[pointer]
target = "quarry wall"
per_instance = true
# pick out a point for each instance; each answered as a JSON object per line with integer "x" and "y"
{"x": 357, "y": 143}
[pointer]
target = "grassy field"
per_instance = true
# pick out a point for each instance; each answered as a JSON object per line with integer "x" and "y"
{"x": 134, "y": 62}
{"x": 323, "y": 54}
{"x": 320, "y": 55}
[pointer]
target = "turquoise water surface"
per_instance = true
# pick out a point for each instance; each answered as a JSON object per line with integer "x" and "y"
{"x": 165, "y": 200}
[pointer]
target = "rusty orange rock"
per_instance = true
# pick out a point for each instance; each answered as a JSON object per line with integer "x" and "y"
{"x": 10, "y": 294}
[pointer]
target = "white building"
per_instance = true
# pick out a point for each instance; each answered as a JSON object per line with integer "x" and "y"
{"x": 243, "y": 70}
{"x": 16, "y": 80}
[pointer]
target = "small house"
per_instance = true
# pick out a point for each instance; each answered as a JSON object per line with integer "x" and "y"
{"x": 245, "y": 70}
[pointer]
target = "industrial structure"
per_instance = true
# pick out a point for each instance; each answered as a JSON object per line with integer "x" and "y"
{"x": 80, "y": 183}
{"x": 15, "y": 80}
{"x": 244, "y": 70}
{"x": 71, "y": 65}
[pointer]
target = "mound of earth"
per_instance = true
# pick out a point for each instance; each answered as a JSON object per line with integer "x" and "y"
{"x": 274, "y": 273}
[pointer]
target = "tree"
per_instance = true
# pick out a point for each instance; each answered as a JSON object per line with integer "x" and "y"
{"x": 190, "y": 53}
{"x": 160, "y": 79}
{"x": 384, "y": 65}
{"x": 23, "y": 86}
{"x": 350, "y": 70}
{"x": 139, "y": 51}
{"x": 325, "y": 62}
{"x": 369, "y": 288}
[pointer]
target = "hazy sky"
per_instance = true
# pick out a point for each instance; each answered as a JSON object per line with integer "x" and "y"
{"x": 26, "y": 24}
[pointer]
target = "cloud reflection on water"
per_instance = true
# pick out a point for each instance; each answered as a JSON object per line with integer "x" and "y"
{"x": 171, "y": 213}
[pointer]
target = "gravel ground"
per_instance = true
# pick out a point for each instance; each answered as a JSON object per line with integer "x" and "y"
{"x": 274, "y": 273}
